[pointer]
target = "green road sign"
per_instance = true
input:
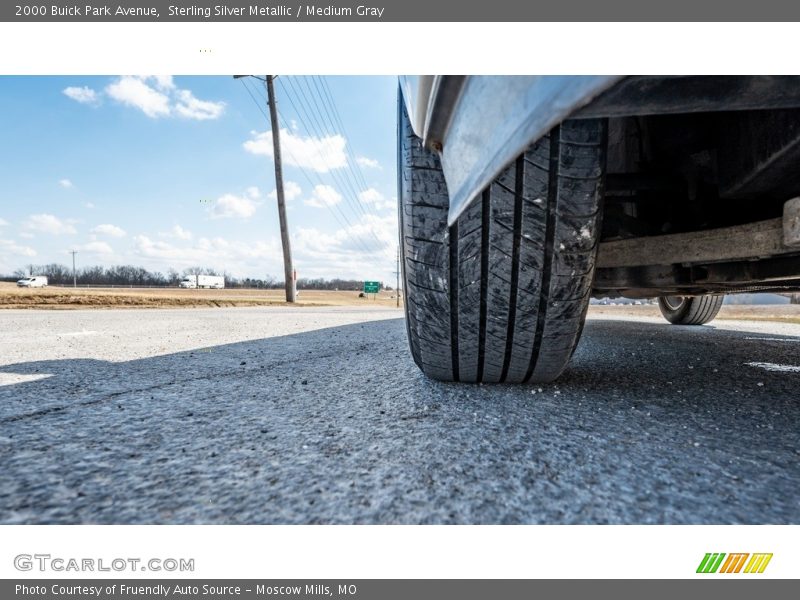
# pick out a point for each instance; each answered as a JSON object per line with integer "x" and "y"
{"x": 372, "y": 287}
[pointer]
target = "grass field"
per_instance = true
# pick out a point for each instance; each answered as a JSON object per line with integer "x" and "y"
{"x": 12, "y": 296}
{"x": 71, "y": 298}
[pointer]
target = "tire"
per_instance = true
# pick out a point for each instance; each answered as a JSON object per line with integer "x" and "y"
{"x": 502, "y": 294}
{"x": 690, "y": 310}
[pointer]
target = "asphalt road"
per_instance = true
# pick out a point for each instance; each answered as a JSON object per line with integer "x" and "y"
{"x": 276, "y": 415}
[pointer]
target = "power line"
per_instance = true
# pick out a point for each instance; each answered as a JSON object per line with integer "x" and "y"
{"x": 329, "y": 102}
{"x": 358, "y": 240}
{"x": 256, "y": 102}
{"x": 348, "y": 162}
{"x": 331, "y": 112}
{"x": 326, "y": 95}
{"x": 342, "y": 179}
{"x": 310, "y": 134}
{"x": 311, "y": 122}
{"x": 352, "y": 202}
{"x": 332, "y": 208}
{"x": 329, "y": 96}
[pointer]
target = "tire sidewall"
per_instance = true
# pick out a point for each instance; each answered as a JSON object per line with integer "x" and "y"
{"x": 675, "y": 316}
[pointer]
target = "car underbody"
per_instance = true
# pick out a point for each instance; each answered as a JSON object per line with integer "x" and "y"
{"x": 700, "y": 171}
{"x": 698, "y": 197}
{"x": 523, "y": 197}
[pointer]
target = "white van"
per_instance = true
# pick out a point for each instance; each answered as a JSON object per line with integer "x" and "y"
{"x": 203, "y": 281}
{"x": 37, "y": 281}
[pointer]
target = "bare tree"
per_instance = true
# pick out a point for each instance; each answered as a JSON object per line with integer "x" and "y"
{"x": 128, "y": 275}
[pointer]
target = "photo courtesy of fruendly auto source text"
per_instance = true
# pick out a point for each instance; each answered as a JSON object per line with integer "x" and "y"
{"x": 399, "y": 300}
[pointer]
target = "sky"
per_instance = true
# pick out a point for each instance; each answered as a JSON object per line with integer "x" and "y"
{"x": 175, "y": 172}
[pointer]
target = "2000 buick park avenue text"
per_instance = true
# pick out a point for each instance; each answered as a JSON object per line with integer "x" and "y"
{"x": 218, "y": 10}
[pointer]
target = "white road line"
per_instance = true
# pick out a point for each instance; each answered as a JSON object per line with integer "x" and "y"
{"x": 775, "y": 367}
{"x": 77, "y": 333}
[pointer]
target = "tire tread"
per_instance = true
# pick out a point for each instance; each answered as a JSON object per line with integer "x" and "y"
{"x": 501, "y": 295}
{"x": 694, "y": 310}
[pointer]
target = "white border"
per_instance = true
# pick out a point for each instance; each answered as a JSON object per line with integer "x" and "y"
{"x": 392, "y": 48}
{"x": 373, "y": 552}
{"x": 388, "y": 48}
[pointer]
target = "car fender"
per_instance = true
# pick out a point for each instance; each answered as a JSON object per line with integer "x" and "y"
{"x": 479, "y": 124}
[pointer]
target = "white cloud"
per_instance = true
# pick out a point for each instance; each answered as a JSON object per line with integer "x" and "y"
{"x": 109, "y": 230}
{"x": 47, "y": 223}
{"x": 10, "y": 247}
{"x": 27, "y": 235}
{"x": 133, "y": 91}
{"x": 65, "y": 183}
{"x": 231, "y": 206}
{"x": 153, "y": 248}
{"x": 96, "y": 248}
{"x": 374, "y": 198}
{"x": 163, "y": 82}
{"x": 363, "y": 235}
{"x": 324, "y": 195}
{"x": 291, "y": 190}
{"x": 3, "y": 222}
{"x": 189, "y": 107}
{"x": 361, "y": 250}
{"x": 84, "y": 95}
{"x": 88, "y": 204}
{"x": 242, "y": 257}
{"x": 318, "y": 154}
{"x": 157, "y": 96}
{"x": 253, "y": 192}
{"x": 369, "y": 163}
{"x": 370, "y": 196}
{"x": 179, "y": 233}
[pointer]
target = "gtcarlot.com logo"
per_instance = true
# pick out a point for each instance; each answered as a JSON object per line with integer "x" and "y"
{"x": 46, "y": 562}
{"x": 734, "y": 563}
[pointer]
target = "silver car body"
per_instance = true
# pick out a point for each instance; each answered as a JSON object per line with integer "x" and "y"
{"x": 479, "y": 124}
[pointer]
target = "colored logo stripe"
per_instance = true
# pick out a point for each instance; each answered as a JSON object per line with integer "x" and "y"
{"x": 733, "y": 564}
{"x": 758, "y": 563}
{"x": 710, "y": 562}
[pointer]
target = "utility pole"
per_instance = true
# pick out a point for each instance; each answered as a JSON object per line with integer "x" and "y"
{"x": 288, "y": 270}
{"x": 74, "y": 276}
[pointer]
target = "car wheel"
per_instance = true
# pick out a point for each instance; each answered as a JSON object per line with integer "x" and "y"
{"x": 690, "y": 310}
{"x": 501, "y": 295}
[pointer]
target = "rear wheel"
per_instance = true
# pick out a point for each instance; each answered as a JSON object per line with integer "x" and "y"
{"x": 501, "y": 295}
{"x": 690, "y": 310}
